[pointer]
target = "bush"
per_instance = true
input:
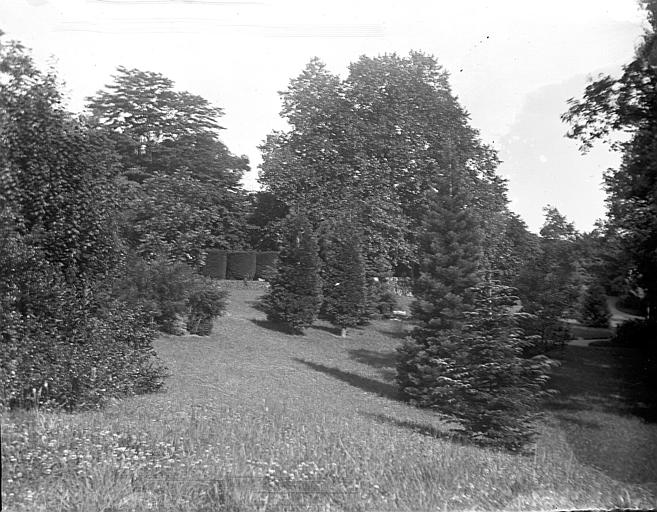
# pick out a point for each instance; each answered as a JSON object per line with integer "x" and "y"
{"x": 381, "y": 301}
{"x": 159, "y": 287}
{"x": 215, "y": 264}
{"x": 241, "y": 265}
{"x": 109, "y": 355}
{"x": 632, "y": 304}
{"x": 67, "y": 344}
{"x": 63, "y": 339}
{"x": 205, "y": 304}
{"x": 266, "y": 264}
{"x": 594, "y": 308}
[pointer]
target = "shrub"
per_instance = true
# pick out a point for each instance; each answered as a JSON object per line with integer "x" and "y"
{"x": 215, "y": 264}
{"x": 108, "y": 355}
{"x": 241, "y": 265}
{"x": 63, "y": 344}
{"x": 265, "y": 264}
{"x": 296, "y": 289}
{"x": 381, "y": 300}
{"x": 160, "y": 287}
{"x": 594, "y": 308}
{"x": 205, "y": 303}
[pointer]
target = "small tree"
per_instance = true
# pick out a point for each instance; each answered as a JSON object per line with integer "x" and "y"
{"x": 594, "y": 309}
{"x": 296, "y": 290}
{"x": 345, "y": 298}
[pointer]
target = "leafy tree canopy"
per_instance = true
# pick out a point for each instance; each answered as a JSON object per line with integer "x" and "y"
{"x": 159, "y": 129}
{"x": 372, "y": 144}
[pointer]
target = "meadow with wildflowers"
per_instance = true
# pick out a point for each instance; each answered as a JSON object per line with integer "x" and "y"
{"x": 253, "y": 418}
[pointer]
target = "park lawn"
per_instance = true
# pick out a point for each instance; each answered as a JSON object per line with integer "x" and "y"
{"x": 257, "y": 419}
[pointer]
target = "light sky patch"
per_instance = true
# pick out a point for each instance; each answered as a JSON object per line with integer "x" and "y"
{"x": 513, "y": 65}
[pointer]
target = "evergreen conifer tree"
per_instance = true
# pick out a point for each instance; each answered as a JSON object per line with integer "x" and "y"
{"x": 296, "y": 290}
{"x": 345, "y": 297}
{"x": 450, "y": 252}
{"x": 465, "y": 359}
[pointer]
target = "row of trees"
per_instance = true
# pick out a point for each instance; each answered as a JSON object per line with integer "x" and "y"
{"x": 321, "y": 278}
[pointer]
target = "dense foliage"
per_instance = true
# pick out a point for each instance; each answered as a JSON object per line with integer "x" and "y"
{"x": 204, "y": 304}
{"x": 371, "y": 145}
{"x": 595, "y": 312}
{"x": 549, "y": 284}
{"x": 181, "y": 191}
{"x": 168, "y": 291}
{"x": 345, "y": 290}
{"x": 295, "y": 296}
{"x": 62, "y": 337}
{"x": 466, "y": 357}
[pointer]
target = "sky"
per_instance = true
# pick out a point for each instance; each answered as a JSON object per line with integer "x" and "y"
{"x": 513, "y": 65}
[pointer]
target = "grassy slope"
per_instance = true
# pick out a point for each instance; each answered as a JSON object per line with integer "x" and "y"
{"x": 275, "y": 409}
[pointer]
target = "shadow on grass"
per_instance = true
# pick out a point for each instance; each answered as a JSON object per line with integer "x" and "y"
{"x": 451, "y": 435}
{"x": 353, "y": 379}
{"x": 276, "y": 326}
{"x": 374, "y": 358}
{"x": 615, "y": 380}
{"x": 257, "y": 305}
{"x": 335, "y": 331}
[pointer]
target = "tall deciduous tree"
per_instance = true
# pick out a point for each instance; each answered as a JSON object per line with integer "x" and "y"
{"x": 159, "y": 129}
{"x": 371, "y": 145}
{"x": 181, "y": 184}
{"x": 628, "y": 105}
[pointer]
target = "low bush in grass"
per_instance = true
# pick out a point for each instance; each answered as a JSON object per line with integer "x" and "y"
{"x": 160, "y": 287}
{"x": 67, "y": 344}
{"x": 205, "y": 303}
{"x": 168, "y": 291}
{"x": 594, "y": 309}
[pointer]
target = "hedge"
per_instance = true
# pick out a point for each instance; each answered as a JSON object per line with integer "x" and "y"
{"x": 265, "y": 264}
{"x": 241, "y": 265}
{"x": 215, "y": 264}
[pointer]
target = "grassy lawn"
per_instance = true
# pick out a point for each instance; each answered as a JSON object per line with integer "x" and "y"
{"x": 256, "y": 419}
